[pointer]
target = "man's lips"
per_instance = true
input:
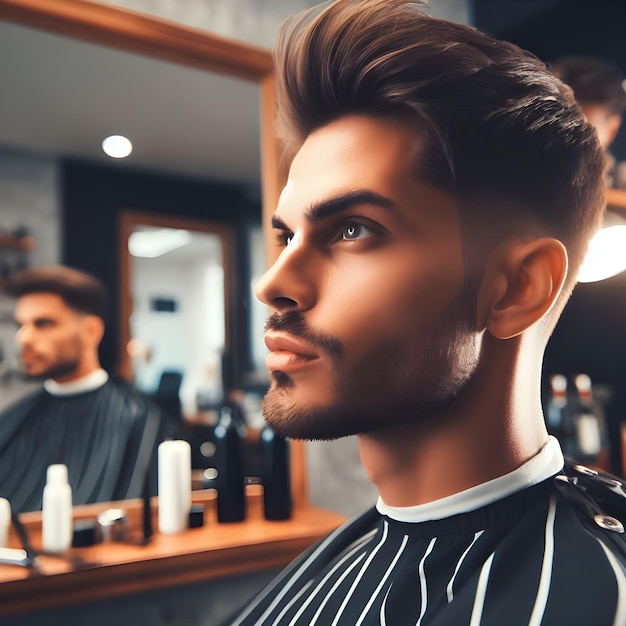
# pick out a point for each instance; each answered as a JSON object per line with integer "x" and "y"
{"x": 28, "y": 357}
{"x": 287, "y": 352}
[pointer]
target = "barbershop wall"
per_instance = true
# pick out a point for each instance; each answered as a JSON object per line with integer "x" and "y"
{"x": 93, "y": 200}
{"x": 29, "y": 200}
{"x": 250, "y": 20}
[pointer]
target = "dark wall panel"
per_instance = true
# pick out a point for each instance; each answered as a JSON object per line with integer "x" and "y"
{"x": 93, "y": 197}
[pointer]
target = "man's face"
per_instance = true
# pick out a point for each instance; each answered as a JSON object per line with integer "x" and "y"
{"x": 606, "y": 123}
{"x": 49, "y": 336}
{"x": 370, "y": 328}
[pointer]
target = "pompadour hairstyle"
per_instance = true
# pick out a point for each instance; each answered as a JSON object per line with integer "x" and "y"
{"x": 497, "y": 130}
{"x": 80, "y": 291}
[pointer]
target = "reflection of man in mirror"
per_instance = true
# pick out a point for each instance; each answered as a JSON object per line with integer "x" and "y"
{"x": 101, "y": 428}
{"x": 442, "y": 190}
{"x": 599, "y": 89}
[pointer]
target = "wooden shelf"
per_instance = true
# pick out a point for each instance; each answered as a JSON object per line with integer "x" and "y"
{"x": 199, "y": 554}
{"x": 616, "y": 198}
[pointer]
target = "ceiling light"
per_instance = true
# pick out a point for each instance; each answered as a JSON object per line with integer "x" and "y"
{"x": 153, "y": 243}
{"x": 117, "y": 146}
{"x": 606, "y": 255}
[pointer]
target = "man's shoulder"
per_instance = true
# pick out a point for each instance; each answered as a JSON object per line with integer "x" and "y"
{"x": 124, "y": 389}
{"x": 598, "y": 500}
{"x": 25, "y": 403}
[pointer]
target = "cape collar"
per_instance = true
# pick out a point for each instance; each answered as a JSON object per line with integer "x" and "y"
{"x": 81, "y": 385}
{"x": 546, "y": 463}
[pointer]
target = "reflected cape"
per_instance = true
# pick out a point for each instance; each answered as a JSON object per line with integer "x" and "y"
{"x": 107, "y": 437}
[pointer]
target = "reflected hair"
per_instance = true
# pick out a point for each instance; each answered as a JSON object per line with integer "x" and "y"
{"x": 80, "y": 291}
{"x": 593, "y": 80}
{"x": 497, "y": 130}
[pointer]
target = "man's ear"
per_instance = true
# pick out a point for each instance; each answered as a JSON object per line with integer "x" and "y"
{"x": 521, "y": 282}
{"x": 93, "y": 327}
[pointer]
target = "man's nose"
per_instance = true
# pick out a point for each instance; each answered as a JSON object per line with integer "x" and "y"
{"x": 23, "y": 335}
{"x": 291, "y": 282}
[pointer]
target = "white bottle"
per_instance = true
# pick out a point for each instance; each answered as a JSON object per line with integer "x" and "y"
{"x": 174, "y": 478}
{"x": 5, "y": 521}
{"x": 56, "y": 512}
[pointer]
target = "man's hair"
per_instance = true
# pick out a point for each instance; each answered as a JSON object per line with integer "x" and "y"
{"x": 498, "y": 131}
{"x": 593, "y": 80}
{"x": 80, "y": 291}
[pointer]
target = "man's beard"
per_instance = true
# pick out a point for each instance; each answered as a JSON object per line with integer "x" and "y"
{"x": 61, "y": 369}
{"x": 407, "y": 379}
{"x": 63, "y": 366}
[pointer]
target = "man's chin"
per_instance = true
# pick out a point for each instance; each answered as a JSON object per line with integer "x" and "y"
{"x": 32, "y": 374}
{"x": 310, "y": 423}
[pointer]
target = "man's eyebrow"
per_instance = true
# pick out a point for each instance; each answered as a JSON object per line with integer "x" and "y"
{"x": 319, "y": 211}
{"x": 327, "y": 208}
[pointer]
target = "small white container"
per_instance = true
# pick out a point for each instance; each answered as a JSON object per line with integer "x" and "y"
{"x": 174, "y": 476}
{"x": 56, "y": 512}
{"x": 5, "y": 521}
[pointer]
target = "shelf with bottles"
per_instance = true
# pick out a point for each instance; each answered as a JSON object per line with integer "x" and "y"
{"x": 15, "y": 249}
{"x": 11, "y": 242}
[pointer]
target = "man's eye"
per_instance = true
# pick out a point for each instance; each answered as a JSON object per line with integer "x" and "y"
{"x": 354, "y": 230}
{"x": 43, "y": 323}
{"x": 284, "y": 238}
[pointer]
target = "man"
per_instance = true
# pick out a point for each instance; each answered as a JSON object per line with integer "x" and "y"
{"x": 598, "y": 87}
{"x": 102, "y": 429}
{"x": 442, "y": 190}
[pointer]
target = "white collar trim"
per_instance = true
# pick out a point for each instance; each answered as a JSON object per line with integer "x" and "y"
{"x": 546, "y": 463}
{"x": 81, "y": 385}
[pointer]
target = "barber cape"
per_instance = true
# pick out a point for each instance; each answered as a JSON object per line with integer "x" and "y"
{"x": 106, "y": 434}
{"x": 541, "y": 546}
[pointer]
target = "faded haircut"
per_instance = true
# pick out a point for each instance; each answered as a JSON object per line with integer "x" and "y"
{"x": 498, "y": 131}
{"x": 81, "y": 292}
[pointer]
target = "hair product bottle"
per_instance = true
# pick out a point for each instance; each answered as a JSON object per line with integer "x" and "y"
{"x": 556, "y": 412}
{"x": 5, "y": 521}
{"x": 275, "y": 475}
{"x": 590, "y": 425}
{"x": 231, "y": 501}
{"x": 174, "y": 486}
{"x": 56, "y": 512}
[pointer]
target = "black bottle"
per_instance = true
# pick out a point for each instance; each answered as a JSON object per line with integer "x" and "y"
{"x": 231, "y": 501}
{"x": 275, "y": 475}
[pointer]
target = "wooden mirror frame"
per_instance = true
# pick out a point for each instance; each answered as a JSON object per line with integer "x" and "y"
{"x": 160, "y": 39}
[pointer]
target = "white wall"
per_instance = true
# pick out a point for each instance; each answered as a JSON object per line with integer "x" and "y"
{"x": 192, "y": 338}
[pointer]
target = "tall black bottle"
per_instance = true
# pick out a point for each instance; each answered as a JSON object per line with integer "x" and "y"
{"x": 274, "y": 457}
{"x": 231, "y": 501}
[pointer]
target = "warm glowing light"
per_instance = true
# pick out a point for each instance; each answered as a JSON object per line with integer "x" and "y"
{"x": 606, "y": 255}
{"x": 154, "y": 243}
{"x": 117, "y": 146}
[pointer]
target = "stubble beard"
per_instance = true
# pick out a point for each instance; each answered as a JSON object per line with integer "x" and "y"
{"x": 408, "y": 379}
{"x": 64, "y": 365}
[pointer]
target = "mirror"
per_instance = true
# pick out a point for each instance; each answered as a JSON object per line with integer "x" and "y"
{"x": 179, "y": 47}
{"x": 178, "y": 278}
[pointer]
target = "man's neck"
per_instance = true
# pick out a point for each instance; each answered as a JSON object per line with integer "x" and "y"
{"x": 88, "y": 382}
{"x": 493, "y": 428}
